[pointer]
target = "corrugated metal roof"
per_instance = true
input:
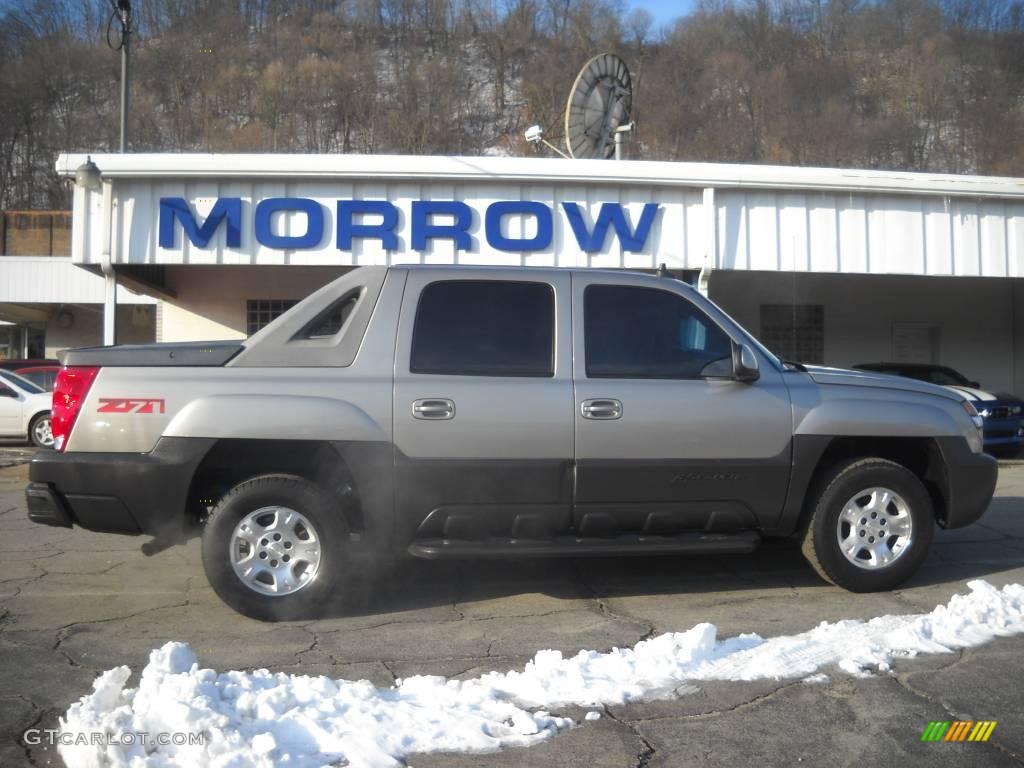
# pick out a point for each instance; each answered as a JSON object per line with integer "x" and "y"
{"x": 539, "y": 170}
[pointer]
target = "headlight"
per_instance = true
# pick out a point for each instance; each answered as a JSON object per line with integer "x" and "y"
{"x": 978, "y": 424}
{"x": 972, "y": 412}
{"x": 1015, "y": 410}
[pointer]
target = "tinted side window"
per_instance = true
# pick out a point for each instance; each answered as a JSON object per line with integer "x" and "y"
{"x": 332, "y": 319}
{"x": 634, "y": 332}
{"x": 485, "y": 328}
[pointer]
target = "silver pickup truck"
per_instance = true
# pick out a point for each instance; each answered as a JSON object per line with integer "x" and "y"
{"x": 452, "y": 412}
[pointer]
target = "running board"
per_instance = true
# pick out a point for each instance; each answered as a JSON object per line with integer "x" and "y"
{"x": 572, "y": 546}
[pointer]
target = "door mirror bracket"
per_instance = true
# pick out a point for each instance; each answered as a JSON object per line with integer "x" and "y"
{"x": 744, "y": 363}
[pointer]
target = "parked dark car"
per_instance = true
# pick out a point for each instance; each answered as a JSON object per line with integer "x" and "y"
{"x": 28, "y": 362}
{"x": 1000, "y": 412}
{"x": 40, "y": 375}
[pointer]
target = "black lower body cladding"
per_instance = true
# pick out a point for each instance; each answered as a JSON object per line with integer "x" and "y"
{"x": 970, "y": 480}
{"x": 962, "y": 482}
{"x": 128, "y": 493}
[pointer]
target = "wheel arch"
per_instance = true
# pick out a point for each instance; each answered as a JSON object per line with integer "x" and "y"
{"x": 814, "y": 456}
{"x": 30, "y": 423}
{"x": 231, "y": 461}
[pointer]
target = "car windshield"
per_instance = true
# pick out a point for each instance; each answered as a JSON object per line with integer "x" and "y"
{"x": 947, "y": 377}
{"x": 21, "y": 383}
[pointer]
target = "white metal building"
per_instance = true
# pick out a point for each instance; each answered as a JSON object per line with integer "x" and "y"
{"x": 832, "y": 266}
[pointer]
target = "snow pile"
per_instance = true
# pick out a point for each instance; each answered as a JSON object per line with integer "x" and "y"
{"x": 263, "y": 719}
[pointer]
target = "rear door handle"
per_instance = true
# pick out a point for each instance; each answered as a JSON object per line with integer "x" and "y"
{"x": 601, "y": 408}
{"x": 433, "y": 409}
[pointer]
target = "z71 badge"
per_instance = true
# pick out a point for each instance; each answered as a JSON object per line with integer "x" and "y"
{"x": 131, "y": 405}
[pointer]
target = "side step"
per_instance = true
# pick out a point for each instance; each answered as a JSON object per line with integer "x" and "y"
{"x": 573, "y": 546}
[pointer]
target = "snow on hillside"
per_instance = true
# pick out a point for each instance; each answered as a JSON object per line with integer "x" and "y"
{"x": 264, "y": 719}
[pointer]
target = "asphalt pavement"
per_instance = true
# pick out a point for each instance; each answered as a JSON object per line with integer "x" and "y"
{"x": 74, "y": 603}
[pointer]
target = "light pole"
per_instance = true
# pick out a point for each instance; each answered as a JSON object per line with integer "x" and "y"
{"x": 122, "y": 15}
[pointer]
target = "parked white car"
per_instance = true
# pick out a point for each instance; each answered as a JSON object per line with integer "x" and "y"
{"x": 25, "y": 410}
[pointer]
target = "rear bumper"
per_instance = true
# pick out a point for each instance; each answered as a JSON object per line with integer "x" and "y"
{"x": 131, "y": 493}
{"x": 970, "y": 482}
{"x": 45, "y": 507}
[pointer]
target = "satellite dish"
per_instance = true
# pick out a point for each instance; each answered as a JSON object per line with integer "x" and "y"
{"x": 599, "y": 104}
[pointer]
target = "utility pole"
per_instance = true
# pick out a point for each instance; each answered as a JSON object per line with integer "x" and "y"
{"x": 121, "y": 15}
{"x": 124, "y": 8}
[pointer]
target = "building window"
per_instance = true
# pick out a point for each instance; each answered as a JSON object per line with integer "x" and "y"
{"x": 794, "y": 331}
{"x": 261, "y": 312}
{"x": 916, "y": 342}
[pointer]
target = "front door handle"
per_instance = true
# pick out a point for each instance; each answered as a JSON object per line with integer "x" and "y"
{"x": 601, "y": 408}
{"x": 433, "y": 408}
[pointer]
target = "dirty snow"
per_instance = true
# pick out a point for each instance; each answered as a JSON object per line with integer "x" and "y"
{"x": 263, "y": 719}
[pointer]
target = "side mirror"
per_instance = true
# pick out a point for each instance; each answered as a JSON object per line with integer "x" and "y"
{"x": 744, "y": 363}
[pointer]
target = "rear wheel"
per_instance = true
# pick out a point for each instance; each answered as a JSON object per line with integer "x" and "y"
{"x": 40, "y": 431}
{"x": 871, "y": 525}
{"x": 274, "y": 547}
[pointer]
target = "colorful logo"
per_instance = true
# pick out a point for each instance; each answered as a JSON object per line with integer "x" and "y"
{"x": 958, "y": 730}
{"x": 131, "y": 405}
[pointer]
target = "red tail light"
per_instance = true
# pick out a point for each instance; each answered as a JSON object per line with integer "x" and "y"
{"x": 69, "y": 393}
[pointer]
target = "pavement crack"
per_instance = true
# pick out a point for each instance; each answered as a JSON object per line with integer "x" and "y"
{"x": 40, "y": 714}
{"x": 727, "y": 710}
{"x": 64, "y": 633}
{"x": 458, "y": 611}
{"x": 608, "y": 612}
{"x": 647, "y": 750}
{"x": 313, "y": 646}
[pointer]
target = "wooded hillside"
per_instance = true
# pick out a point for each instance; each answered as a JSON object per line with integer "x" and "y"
{"x": 931, "y": 85}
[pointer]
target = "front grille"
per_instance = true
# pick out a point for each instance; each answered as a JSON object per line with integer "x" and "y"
{"x": 1001, "y": 412}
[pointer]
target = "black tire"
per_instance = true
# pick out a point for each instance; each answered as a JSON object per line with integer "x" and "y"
{"x": 830, "y": 494}
{"x": 35, "y": 439}
{"x": 321, "y": 510}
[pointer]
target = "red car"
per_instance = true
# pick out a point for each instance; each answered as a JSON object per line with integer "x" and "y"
{"x": 41, "y": 375}
{"x": 26, "y": 362}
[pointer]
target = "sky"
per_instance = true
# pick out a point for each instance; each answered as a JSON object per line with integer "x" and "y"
{"x": 663, "y": 11}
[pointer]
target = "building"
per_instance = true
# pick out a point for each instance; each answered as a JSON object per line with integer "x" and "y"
{"x": 46, "y": 302}
{"x": 827, "y": 266}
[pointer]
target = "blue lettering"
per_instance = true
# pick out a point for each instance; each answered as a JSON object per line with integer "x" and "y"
{"x": 541, "y": 212}
{"x": 226, "y": 208}
{"x": 423, "y": 229}
{"x": 385, "y": 231}
{"x": 611, "y": 214}
{"x": 265, "y": 209}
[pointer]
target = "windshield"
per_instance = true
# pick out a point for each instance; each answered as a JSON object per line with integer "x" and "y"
{"x": 946, "y": 377}
{"x": 21, "y": 383}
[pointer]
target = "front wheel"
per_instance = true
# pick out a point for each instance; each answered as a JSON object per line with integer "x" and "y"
{"x": 871, "y": 525}
{"x": 274, "y": 547}
{"x": 40, "y": 431}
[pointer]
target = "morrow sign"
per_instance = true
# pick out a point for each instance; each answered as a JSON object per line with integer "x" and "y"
{"x": 428, "y": 220}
